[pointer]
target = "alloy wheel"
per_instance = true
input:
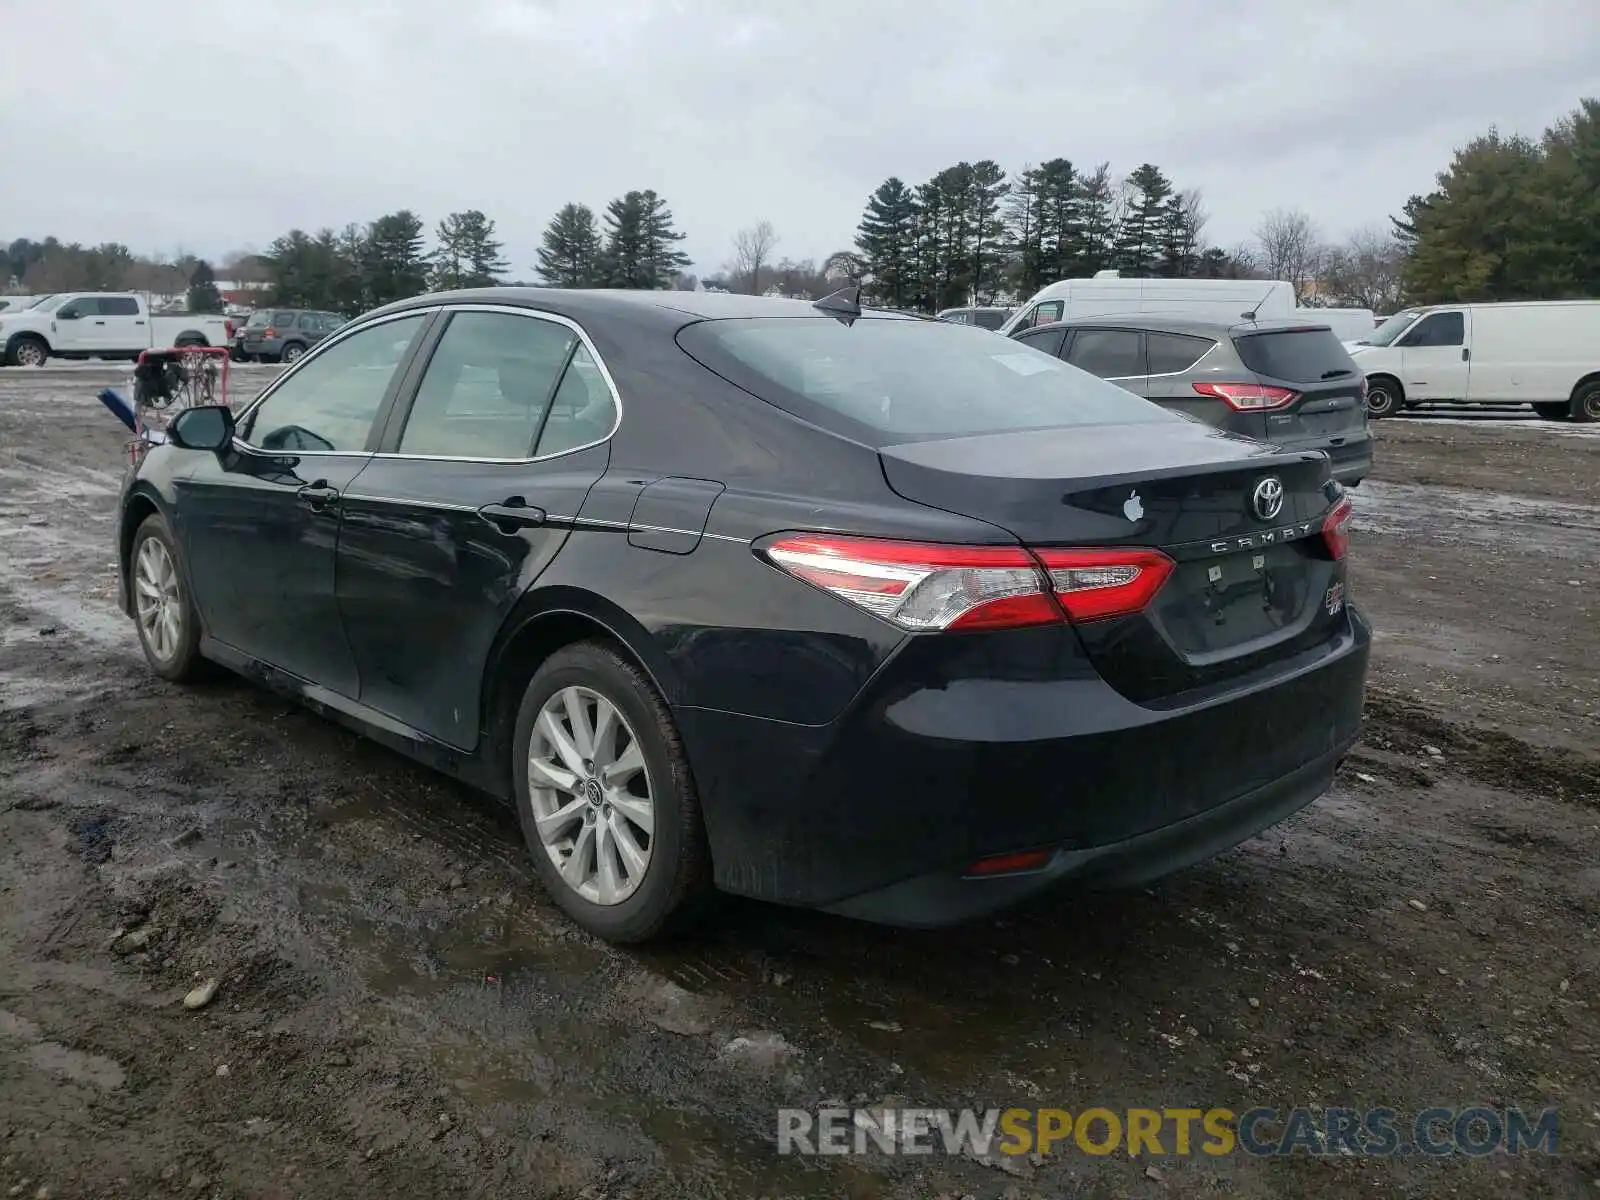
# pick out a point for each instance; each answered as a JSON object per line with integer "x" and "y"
{"x": 30, "y": 354}
{"x": 157, "y": 599}
{"x": 591, "y": 796}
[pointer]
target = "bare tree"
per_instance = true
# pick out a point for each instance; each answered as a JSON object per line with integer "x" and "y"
{"x": 752, "y": 249}
{"x": 1291, "y": 249}
{"x": 1365, "y": 270}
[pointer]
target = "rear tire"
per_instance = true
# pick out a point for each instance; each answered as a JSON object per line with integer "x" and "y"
{"x": 164, "y": 614}
{"x": 1553, "y": 411}
{"x": 1384, "y": 397}
{"x": 1586, "y": 402}
{"x": 292, "y": 353}
{"x": 631, "y": 785}
{"x": 28, "y": 351}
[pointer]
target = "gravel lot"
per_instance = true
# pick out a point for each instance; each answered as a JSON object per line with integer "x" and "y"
{"x": 401, "y": 1012}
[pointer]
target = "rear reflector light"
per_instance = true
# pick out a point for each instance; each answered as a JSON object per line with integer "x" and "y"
{"x": 1247, "y": 397}
{"x": 1006, "y": 864}
{"x": 1094, "y": 584}
{"x": 1336, "y": 528}
{"x": 923, "y": 586}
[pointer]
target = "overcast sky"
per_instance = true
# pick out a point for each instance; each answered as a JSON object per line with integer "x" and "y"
{"x": 208, "y": 125}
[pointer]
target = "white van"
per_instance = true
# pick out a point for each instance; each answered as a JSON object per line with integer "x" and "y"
{"x": 1349, "y": 325}
{"x": 1545, "y": 353}
{"x": 1107, "y": 295}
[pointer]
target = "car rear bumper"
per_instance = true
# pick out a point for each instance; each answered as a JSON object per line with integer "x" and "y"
{"x": 1350, "y": 456}
{"x": 957, "y": 753}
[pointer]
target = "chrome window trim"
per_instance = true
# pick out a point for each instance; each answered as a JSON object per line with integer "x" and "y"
{"x": 577, "y": 522}
{"x": 1168, "y": 374}
{"x": 320, "y": 348}
{"x": 537, "y": 315}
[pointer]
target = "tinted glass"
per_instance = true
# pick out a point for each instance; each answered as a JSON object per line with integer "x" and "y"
{"x": 331, "y": 321}
{"x": 259, "y": 319}
{"x": 584, "y": 411}
{"x": 283, "y": 317}
{"x": 1048, "y": 339}
{"x": 989, "y": 318}
{"x": 119, "y": 306}
{"x": 310, "y": 321}
{"x": 885, "y": 381}
{"x": 1108, "y": 353}
{"x": 1169, "y": 353}
{"x": 1041, "y": 314}
{"x": 330, "y": 402}
{"x": 1296, "y": 355}
{"x": 486, "y": 386}
{"x": 83, "y": 306}
{"x": 1438, "y": 329}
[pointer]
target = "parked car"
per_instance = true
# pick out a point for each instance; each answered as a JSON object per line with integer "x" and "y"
{"x": 1108, "y": 294}
{"x": 1286, "y": 383}
{"x": 284, "y": 334}
{"x": 105, "y": 325}
{"x": 1544, "y": 353}
{"x": 832, "y": 608}
{"x": 984, "y": 318}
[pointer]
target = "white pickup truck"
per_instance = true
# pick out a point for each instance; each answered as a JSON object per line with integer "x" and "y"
{"x": 107, "y": 325}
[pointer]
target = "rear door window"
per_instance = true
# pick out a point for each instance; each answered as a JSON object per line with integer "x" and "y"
{"x": 1295, "y": 355}
{"x": 1048, "y": 339}
{"x": 1172, "y": 353}
{"x": 119, "y": 306}
{"x": 1108, "y": 353}
{"x": 283, "y": 317}
{"x": 884, "y": 381}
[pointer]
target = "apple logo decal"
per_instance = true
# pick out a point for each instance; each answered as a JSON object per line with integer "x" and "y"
{"x": 1132, "y": 508}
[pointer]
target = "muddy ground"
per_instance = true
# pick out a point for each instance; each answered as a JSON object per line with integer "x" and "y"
{"x": 402, "y": 1013}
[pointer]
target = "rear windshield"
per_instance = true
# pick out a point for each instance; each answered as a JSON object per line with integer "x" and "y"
{"x": 259, "y": 319}
{"x": 990, "y": 318}
{"x": 1295, "y": 355}
{"x": 886, "y": 381}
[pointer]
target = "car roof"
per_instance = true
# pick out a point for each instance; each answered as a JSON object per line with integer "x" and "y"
{"x": 1192, "y": 326}
{"x": 623, "y": 304}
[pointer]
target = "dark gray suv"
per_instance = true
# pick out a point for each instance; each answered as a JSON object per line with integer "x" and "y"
{"x": 283, "y": 334}
{"x": 1289, "y": 383}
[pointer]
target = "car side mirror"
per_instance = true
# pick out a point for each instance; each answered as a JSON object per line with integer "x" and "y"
{"x": 207, "y": 428}
{"x": 67, "y": 314}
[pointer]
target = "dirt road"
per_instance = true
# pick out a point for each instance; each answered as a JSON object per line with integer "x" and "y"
{"x": 400, "y": 1012}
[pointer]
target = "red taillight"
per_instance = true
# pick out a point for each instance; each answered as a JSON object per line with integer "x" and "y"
{"x": 1336, "y": 528}
{"x": 923, "y": 586}
{"x": 228, "y": 329}
{"x": 1094, "y": 584}
{"x": 1006, "y": 864}
{"x": 269, "y": 332}
{"x": 1247, "y": 397}
{"x": 920, "y": 586}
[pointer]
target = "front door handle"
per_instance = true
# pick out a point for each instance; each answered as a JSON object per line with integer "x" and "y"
{"x": 512, "y": 514}
{"x": 318, "y": 495}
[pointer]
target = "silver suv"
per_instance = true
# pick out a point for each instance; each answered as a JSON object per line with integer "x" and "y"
{"x": 1289, "y": 383}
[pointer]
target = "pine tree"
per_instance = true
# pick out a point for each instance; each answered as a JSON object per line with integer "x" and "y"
{"x": 987, "y": 191}
{"x": 203, "y": 294}
{"x": 1138, "y": 247}
{"x": 662, "y": 261}
{"x": 569, "y": 253}
{"x": 1183, "y": 220}
{"x": 1097, "y": 216}
{"x": 394, "y": 265}
{"x": 886, "y": 239}
{"x": 1024, "y": 221}
{"x": 1060, "y": 223}
{"x": 468, "y": 255}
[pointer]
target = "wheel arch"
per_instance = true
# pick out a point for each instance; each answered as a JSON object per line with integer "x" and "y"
{"x": 1592, "y": 377}
{"x": 140, "y": 506}
{"x": 543, "y": 622}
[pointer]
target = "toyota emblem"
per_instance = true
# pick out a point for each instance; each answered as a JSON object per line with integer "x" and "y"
{"x": 1267, "y": 500}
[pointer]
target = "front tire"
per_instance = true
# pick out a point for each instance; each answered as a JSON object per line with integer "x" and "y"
{"x": 28, "y": 352}
{"x": 169, "y": 626}
{"x": 605, "y": 797}
{"x": 1384, "y": 397}
{"x": 1586, "y": 403}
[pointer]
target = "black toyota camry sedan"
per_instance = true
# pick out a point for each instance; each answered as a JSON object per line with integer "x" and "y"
{"x": 830, "y": 607}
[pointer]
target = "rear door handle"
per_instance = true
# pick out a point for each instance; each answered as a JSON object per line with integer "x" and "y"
{"x": 1466, "y": 354}
{"x": 318, "y": 495}
{"x": 512, "y": 514}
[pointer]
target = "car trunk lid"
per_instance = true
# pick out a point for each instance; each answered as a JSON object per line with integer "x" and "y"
{"x": 1241, "y": 522}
